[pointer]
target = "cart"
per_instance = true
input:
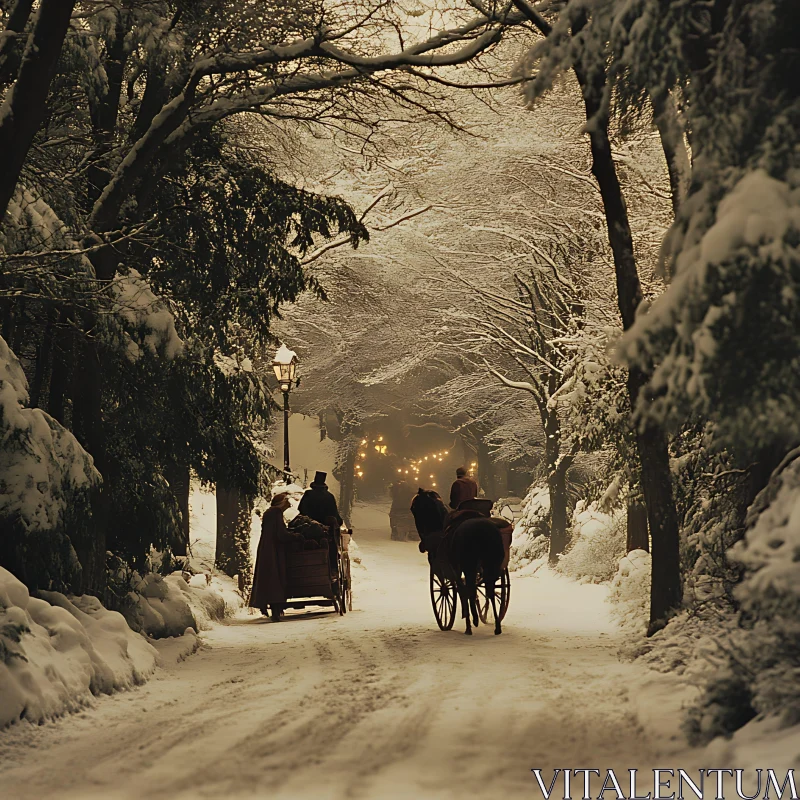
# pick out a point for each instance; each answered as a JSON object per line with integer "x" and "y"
{"x": 320, "y": 577}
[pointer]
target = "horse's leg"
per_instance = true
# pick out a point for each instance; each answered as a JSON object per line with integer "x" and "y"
{"x": 497, "y": 628}
{"x": 472, "y": 594}
{"x": 462, "y": 593}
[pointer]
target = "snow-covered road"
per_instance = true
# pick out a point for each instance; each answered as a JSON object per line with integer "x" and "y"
{"x": 377, "y": 704}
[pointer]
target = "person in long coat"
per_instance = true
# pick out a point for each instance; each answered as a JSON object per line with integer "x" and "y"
{"x": 269, "y": 576}
{"x": 318, "y": 503}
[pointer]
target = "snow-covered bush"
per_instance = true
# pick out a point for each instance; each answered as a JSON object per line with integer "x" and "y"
{"x": 770, "y": 593}
{"x": 145, "y": 315}
{"x": 531, "y": 539}
{"x": 45, "y": 476}
{"x": 56, "y": 653}
{"x": 747, "y": 662}
{"x": 166, "y": 606}
{"x": 598, "y": 542}
{"x": 630, "y": 591}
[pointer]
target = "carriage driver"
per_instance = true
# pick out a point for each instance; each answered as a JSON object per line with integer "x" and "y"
{"x": 464, "y": 488}
{"x": 318, "y": 503}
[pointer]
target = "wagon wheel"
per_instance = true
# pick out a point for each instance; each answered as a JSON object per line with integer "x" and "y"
{"x": 502, "y": 591}
{"x": 342, "y": 585}
{"x": 348, "y": 582}
{"x": 443, "y": 599}
{"x": 340, "y": 590}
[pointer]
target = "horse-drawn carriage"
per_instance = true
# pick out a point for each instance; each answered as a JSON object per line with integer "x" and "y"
{"x": 446, "y": 564}
{"x": 321, "y": 577}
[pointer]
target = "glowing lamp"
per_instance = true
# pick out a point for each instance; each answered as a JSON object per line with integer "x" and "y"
{"x": 285, "y": 366}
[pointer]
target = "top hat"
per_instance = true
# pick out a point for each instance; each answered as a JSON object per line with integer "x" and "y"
{"x": 319, "y": 479}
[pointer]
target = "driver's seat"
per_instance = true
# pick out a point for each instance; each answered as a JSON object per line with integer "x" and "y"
{"x": 483, "y": 505}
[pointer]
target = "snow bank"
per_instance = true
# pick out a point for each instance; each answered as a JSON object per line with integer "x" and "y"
{"x": 630, "y": 592}
{"x": 56, "y": 654}
{"x": 165, "y": 607}
{"x": 223, "y": 586}
{"x": 596, "y": 545}
{"x": 530, "y": 541}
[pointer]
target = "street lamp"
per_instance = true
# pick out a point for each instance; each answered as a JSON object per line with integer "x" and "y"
{"x": 285, "y": 366}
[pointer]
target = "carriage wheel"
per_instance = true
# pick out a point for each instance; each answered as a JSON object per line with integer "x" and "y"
{"x": 348, "y": 582}
{"x": 443, "y": 599}
{"x": 341, "y": 587}
{"x": 502, "y": 591}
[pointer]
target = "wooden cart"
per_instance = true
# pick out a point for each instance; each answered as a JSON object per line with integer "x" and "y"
{"x": 319, "y": 577}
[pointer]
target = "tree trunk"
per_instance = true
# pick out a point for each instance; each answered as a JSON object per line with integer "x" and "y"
{"x": 638, "y": 537}
{"x": 226, "y": 556}
{"x": 665, "y": 595}
{"x": 559, "y": 535}
{"x": 9, "y": 45}
{"x": 347, "y": 481}
{"x": 244, "y": 517}
{"x": 24, "y": 106}
{"x": 662, "y": 517}
{"x": 59, "y": 373}
{"x": 43, "y": 352}
{"x": 87, "y": 424}
{"x": 665, "y": 115}
{"x": 177, "y": 476}
{"x": 485, "y": 469}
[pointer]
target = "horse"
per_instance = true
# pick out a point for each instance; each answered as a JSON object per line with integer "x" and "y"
{"x": 474, "y": 546}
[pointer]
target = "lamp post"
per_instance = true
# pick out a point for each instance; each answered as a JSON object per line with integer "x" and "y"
{"x": 285, "y": 366}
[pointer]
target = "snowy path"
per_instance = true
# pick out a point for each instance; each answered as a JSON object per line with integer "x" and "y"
{"x": 378, "y": 704}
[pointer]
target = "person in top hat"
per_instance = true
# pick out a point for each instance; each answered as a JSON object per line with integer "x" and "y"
{"x": 464, "y": 488}
{"x": 318, "y": 503}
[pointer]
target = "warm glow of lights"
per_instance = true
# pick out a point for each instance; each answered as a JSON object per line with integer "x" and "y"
{"x": 399, "y": 470}
{"x": 426, "y": 458}
{"x": 363, "y": 441}
{"x": 446, "y": 452}
{"x": 380, "y": 438}
{"x": 363, "y": 455}
{"x": 433, "y": 484}
{"x": 406, "y": 472}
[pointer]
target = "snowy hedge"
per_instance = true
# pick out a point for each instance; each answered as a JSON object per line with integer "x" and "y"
{"x": 596, "y": 545}
{"x": 56, "y": 654}
{"x": 531, "y": 533}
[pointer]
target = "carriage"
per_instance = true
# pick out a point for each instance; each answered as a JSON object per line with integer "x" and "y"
{"x": 321, "y": 577}
{"x": 444, "y": 596}
{"x": 402, "y": 526}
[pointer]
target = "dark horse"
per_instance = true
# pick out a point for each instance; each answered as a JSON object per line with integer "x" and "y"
{"x": 474, "y": 546}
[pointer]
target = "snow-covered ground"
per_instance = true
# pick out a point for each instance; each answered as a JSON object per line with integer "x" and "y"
{"x": 377, "y": 704}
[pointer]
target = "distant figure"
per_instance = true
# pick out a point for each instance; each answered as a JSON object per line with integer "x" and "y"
{"x": 463, "y": 488}
{"x": 269, "y": 577}
{"x": 400, "y": 518}
{"x": 318, "y": 503}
